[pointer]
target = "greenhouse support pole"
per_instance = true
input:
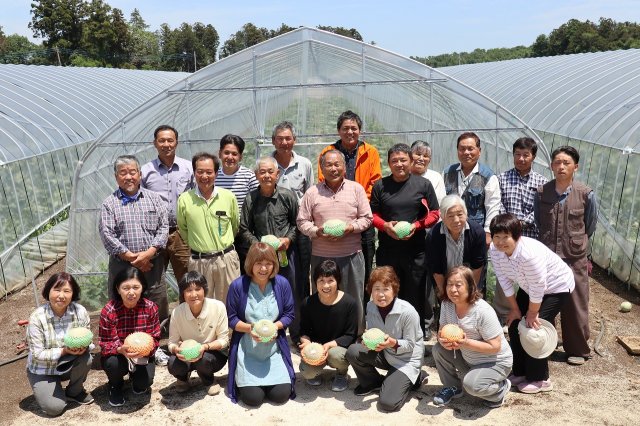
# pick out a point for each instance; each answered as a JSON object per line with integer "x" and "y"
{"x": 35, "y": 290}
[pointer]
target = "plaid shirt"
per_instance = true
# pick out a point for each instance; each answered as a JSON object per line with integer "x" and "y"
{"x": 45, "y": 336}
{"x": 135, "y": 226}
{"x": 518, "y": 194}
{"x": 117, "y": 322}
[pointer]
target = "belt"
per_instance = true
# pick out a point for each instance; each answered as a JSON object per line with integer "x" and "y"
{"x": 198, "y": 255}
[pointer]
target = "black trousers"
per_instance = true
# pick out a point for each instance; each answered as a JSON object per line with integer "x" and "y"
{"x": 368, "y": 239}
{"x": 210, "y": 363}
{"x": 533, "y": 369}
{"x": 117, "y": 366}
{"x": 253, "y": 396}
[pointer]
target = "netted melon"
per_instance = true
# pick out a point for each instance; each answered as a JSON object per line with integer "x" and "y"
{"x": 78, "y": 337}
{"x": 272, "y": 240}
{"x": 373, "y": 337}
{"x": 452, "y": 333}
{"x": 334, "y": 227}
{"x": 313, "y": 354}
{"x": 402, "y": 229}
{"x": 265, "y": 329}
{"x": 139, "y": 342}
{"x": 190, "y": 349}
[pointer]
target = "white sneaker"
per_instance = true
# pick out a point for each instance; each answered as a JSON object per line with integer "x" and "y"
{"x": 162, "y": 359}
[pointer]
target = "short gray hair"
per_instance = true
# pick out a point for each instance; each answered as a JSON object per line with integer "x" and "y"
{"x": 266, "y": 159}
{"x": 283, "y": 125}
{"x": 125, "y": 159}
{"x": 451, "y": 200}
{"x": 333, "y": 151}
{"x": 421, "y": 145}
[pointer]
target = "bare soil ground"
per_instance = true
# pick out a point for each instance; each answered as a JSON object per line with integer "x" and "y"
{"x": 604, "y": 391}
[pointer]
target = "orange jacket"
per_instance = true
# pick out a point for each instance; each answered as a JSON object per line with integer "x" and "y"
{"x": 368, "y": 169}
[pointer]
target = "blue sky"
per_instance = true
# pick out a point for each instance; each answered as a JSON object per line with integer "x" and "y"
{"x": 407, "y": 27}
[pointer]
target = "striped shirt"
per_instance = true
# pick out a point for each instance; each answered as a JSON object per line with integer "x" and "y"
{"x": 117, "y": 322}
{"x": 480, "y": 323}
{"x": 45, "y": 336}
{"x": 536, "y": 269}
{"x": 240, "y": 183}
{"x": 518, "y": 194}
{"x": 349, "y": 203}
{"x": 133, "y": 227}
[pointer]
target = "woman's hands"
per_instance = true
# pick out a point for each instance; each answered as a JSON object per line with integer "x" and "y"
{"x": 73, "y": 351}
{"x": 450, "y": 346}
{"x": 389, "y": 342}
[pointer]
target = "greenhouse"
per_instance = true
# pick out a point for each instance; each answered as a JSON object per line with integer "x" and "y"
{"x": 48, "y": 118}
{"x": 592, "y": 102}
{"x": 308, "y": 77}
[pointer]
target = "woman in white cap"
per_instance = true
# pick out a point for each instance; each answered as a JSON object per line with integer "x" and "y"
{"x": 545, "y": 283}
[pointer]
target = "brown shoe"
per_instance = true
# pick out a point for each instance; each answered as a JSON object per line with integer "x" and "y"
{"x": 182, "y": 386}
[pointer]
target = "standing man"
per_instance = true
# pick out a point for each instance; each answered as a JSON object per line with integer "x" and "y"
{"x": 474, "y": 182}
{"x": 337, "y": 198}
{"x": 403, "y": 196}
{"x": 236, "y": 178}
{"x": 362, "y": 166}
{"x": 169, "y": 176}
{"x": 295, "y": 174}
{"x": 566, "y": 213}
{"x": 208, "y": 221}
{"x": 133, "y": 227}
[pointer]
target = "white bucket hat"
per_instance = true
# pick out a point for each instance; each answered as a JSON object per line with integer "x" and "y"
{"x": 538, "y": 343}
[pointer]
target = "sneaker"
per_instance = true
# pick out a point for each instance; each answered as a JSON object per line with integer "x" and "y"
{"x": 316, "y": 381}
{"x": 139, "y": 392}
{"x": 576, "y": 360}
{"x": 535, "y": 387}
{"x": 83, "y": 398}
{"x": 445, "y": 395}
{"x": 498, "y": 404}
{"x": 213, "y": 389}
{"x": 516, "y": 380}
{"x": 162, "y": 359}
{"x": 362, "y": 391}
{"x": 116, "y": 397}
{"x": 340, "y": 382}
{"x": 181, "y": 386}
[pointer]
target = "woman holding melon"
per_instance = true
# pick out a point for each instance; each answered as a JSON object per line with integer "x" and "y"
{"x": 129, "y": 334}
{"x": 472, "y": 354}
{"x": 260, "y": 308}
{"x": 197, "y": 334}
{"x": 54, "y": 354}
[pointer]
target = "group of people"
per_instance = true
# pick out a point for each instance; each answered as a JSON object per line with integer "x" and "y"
{"x": 208, "y": 218}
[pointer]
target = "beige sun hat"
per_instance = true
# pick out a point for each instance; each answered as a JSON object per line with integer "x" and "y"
{"x": 538, "y": 343}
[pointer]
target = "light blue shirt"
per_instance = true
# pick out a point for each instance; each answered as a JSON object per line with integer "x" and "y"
{"x": 169, "y": 183}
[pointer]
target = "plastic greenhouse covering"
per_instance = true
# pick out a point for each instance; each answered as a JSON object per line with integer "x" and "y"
{"x": 308, "y": 77}
{"x": 590, "y": 101}
{"x": 48, "y": 118}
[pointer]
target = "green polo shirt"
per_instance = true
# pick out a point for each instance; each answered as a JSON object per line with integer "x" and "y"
{"x": 208, "y": 225}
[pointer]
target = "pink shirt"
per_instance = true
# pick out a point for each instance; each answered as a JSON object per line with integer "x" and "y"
{"x": 349, "y": 203}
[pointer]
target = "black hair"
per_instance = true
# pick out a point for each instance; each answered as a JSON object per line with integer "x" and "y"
{"x": 399, "y": 147}
{"x": 526, "y": 143}
{"x": 205, "y": 156}
{"x": 468, "y": 135}
{"x": 60, "y": 279}
{"x": 192, "y": 277}
{"x": 566, "y": 149}
{"x": 233, "y": 140}
{"x": 164, "y": 127}
{"x": 349, "y": 115}
{"x": 125, "y": 275}
{"x": 328, "y": 268}
{"x": 507, "y": 223}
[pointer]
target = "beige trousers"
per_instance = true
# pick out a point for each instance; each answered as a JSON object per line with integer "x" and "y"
{"x": 219, "y": 271}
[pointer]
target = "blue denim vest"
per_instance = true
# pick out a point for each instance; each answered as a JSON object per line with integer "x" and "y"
{"x": 473, "y": 196}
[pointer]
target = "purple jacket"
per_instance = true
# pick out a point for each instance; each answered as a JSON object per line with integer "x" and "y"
{"x": 236, "y": 306}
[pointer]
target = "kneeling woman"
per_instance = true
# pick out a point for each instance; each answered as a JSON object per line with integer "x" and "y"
{"x": 329, "y": 317}
{"x": 480, "y": 362}
{"x": 201, "y": 319}
{"x": 259, "y": 370}
{"x": 128, "y": 312}
{"x": 401, "y": 353}
{"x": 47, "y": 352}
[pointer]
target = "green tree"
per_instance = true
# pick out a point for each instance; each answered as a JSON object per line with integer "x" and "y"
{"x": 248, "y": 36}
{"x": 351, "y": 32}
{"x": 144, "y": 49}
{"x": 188, "y": 47}
{"x": 106, "y": 35}
{"x": 16, "y": 49}
{"x": 58, "y": 22}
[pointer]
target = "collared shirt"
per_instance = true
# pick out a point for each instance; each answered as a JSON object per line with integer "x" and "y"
{"x": 518, "y": 195}
{"x": 298, "y": 176}
{"x": 403, "y": 324}
{"x": 210, "y": 326}
{"x": 351, "y": 158}
{"x": 349, "y": 203}
{"x": 536, "y": 269}
{"x": 273, "y": 215}
{"x": 135, "y": 226}
{"x": 240, "y": 183}
{"x": 45, "y": 335}
{"x": 208, "y": 225}
{"x": 455, "y": 249}
{"x": 491, "y": 193}
{"x": 590, "y": 210}
{"x": 118, "y": 321}
{"x": 169, "y": 183}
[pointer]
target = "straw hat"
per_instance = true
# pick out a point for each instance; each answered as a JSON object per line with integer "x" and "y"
{"x": 538, "y": 343}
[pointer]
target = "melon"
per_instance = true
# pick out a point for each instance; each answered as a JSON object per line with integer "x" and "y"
{"x": 313, "y": 354}
{"x": 272, "y": 240}
{"x": 402, "y": 229}
{"x": 334, "y": 227}
{"x": 373, "y": 337}
{"x": 452, "y": 333}
{"x": 266, "y": 330}
{"x": 139, "y": 342}
{"x": 190, "y": 349}
{"x": 78, "y": 337}
{"x": 625, "y": 306}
